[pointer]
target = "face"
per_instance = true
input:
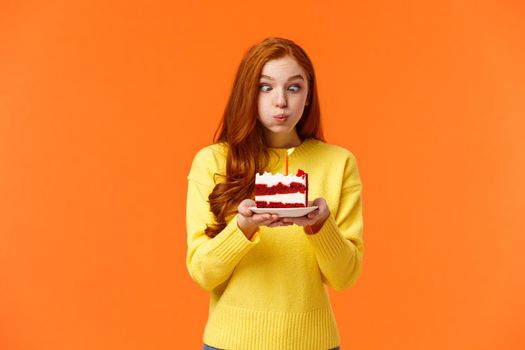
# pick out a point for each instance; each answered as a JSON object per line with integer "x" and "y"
{"x": 283, "y": 90}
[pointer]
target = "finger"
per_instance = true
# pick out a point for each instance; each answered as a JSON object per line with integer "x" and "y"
{"x": 269, "y": 216}
{"x": 301, "y": 221}
{"x": 243, "y": 207}
{"x": 319, "y": 201}
{"x": 271, "y": 223}
{"x": 265, "y": 218}
{"x": 275, "y": 220}
{"x": 313, "y": 215}
{"x": 279, "y": 222}
{"x": 295, "y": 219}
{"x": 262, "y": 218}
{"x": 245, "y": 211}
{"x": 249, "y": 202}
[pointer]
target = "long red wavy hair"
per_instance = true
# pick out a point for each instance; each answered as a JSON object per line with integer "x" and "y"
{"x": 242, "y": 132}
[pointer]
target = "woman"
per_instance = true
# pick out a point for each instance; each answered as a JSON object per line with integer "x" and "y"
{"x": 267, "y": 274}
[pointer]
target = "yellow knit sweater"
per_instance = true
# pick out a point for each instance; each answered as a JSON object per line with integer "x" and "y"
{"x": 269, "y": 292}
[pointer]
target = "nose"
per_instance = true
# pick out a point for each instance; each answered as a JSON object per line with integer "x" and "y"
{"x": 280, "y": 98}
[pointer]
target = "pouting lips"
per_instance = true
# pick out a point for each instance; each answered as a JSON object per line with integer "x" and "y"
{"x": 281, "y": 117}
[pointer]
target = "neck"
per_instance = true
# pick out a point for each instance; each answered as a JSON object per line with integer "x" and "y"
{"x": 289, "y": 140}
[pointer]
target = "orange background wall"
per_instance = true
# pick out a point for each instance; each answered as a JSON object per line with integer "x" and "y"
{"x": 103, "y": 105}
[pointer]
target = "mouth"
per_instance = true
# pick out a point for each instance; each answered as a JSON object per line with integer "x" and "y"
{"x": 281, "y": 117}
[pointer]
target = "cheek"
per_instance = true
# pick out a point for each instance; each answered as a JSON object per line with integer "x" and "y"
{"x": 262, "y": 105}
{"x": 261, "y": 101}
{"x": 299, "y": 104}
{"x": 300, "y": 100}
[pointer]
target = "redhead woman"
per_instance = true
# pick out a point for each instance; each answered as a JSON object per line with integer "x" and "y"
{"x": 268, "y": 274}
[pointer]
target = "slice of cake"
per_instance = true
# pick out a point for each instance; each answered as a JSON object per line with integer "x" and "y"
{"x": 281, "y": 191}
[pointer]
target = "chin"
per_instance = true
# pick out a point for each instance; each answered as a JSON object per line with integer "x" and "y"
{"x": 281, "y": 130}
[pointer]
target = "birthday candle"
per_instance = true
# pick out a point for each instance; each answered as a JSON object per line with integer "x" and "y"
{"x": 288, "y": 152}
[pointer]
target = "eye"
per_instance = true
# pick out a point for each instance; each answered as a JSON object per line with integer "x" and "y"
{"x": 263, "y": 86}
{"x": 295, "y": 88}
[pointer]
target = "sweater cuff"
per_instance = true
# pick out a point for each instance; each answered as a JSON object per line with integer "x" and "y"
{"x": 329, "y": 241}
{"x": 232, "y": 242}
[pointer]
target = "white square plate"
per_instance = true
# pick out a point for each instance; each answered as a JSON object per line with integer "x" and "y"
{"x": 285, "y": 212}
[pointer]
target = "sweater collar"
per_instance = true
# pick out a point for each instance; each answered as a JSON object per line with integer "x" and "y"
{"x": 298, "y": 151}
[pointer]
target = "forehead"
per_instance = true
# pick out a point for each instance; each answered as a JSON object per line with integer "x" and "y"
{"x": 282, "y": 68}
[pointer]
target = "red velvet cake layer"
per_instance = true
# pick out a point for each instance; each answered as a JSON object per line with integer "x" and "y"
{"x": 294, "y": 187}
{"x": 278, "y": 205}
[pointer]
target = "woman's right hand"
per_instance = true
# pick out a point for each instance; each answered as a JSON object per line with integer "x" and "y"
{"x": 249, "y": 222}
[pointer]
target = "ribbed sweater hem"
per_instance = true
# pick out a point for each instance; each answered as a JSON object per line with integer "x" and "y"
{"x": 235, "y": 328}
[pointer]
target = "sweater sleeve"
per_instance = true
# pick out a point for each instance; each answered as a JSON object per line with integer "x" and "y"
{"x": 210, "y": 261}
{"x": 339, "y": 244}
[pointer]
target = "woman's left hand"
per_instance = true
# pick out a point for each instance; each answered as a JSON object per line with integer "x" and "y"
{"x": 314, "y": 220}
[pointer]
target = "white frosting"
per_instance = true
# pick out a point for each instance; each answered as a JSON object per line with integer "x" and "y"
{"x": 284, "y": 198}
{"x": 272, "y": 180}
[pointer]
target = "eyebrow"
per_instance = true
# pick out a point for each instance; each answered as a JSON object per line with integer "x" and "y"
{"x": 298, "y": 76}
